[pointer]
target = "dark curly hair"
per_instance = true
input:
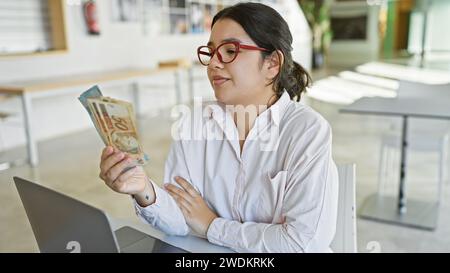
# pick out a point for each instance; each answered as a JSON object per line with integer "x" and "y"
{"x": 269, "y": 30}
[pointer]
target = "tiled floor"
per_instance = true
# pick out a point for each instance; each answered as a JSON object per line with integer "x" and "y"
{"x": 70, "y": 164}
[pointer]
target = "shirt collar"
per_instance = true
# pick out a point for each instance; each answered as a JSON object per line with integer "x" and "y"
{"x": 214, "y": 110}
{"x": 277, "y": 110}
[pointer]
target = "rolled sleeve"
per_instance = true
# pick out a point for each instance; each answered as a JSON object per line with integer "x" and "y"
{"x": 164, "y": 214}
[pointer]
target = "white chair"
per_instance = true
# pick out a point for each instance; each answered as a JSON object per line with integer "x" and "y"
{"x": 345, "y": 238}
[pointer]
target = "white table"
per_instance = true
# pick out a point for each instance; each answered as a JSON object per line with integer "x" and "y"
{"x": 413, "y": 213}
{"x": 30, "y": 90}
{"x": 190, "y": 243}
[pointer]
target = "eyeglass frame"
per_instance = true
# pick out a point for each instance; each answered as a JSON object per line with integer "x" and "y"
{"x": 238, "y": 46}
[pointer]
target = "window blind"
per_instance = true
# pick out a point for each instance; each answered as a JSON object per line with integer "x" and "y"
{"x": 24, "y": 26}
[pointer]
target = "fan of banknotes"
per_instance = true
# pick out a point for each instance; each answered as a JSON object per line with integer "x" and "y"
{"x": 115, "y": 122}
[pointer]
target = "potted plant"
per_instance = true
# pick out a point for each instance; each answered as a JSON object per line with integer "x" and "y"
{"x": 317, "y": 14}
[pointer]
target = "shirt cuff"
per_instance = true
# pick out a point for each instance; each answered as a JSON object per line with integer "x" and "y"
{"x": 151, "y": 211}
{"x": 214, "y": 233}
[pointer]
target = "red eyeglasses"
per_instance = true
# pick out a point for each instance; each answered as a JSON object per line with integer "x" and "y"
{"x": 226, "y": 52}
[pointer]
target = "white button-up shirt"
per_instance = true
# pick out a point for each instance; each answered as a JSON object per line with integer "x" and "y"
{"x": 278, "y": 195}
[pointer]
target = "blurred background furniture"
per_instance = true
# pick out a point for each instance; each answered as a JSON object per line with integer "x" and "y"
{"x": 30, "y": 90}
{"x": 8, "y": 162}
{"x": 415, "y": 213}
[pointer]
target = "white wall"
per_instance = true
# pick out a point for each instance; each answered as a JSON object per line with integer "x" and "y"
{"x": 353, "y": 52}
{"x": 119, "y": 45}
{"x": 437, "y": 32}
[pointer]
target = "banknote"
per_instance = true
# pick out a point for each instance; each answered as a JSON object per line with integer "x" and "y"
{"x": 91, "y": 93}
{"x": 115, "y": 122}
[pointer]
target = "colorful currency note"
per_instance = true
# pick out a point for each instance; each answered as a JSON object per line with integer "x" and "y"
{"x": 115, "y": 122}
{"x": 92, "y": 93}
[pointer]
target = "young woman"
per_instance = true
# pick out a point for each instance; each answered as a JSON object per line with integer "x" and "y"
{"x": 269, "y": 184}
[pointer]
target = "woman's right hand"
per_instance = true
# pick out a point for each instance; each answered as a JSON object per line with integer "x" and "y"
{"x": 133, "y": 181}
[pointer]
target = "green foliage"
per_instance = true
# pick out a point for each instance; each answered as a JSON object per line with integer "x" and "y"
{"x": 317, "y": 13}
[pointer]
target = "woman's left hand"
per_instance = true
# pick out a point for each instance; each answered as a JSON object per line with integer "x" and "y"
{"x": 195, "y": 210}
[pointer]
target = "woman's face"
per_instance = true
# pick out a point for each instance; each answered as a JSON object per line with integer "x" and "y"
{"x": 243, "y": 81}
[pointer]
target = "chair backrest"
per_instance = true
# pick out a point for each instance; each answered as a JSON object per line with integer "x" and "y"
{"x": 345, "y": 237}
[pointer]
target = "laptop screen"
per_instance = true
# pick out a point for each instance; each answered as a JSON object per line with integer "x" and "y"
{"x": 63, "y": 224}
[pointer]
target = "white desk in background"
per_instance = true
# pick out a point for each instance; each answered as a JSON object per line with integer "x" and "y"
{"x": 412, "y": 213}
{"x": 29, "y": 90}
{"x": 190, "y": 243}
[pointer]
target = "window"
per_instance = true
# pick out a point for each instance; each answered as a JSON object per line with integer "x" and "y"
{"x": 31, "y": 26}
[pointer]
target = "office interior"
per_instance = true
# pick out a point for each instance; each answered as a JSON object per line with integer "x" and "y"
{"x": 372, "y": 63}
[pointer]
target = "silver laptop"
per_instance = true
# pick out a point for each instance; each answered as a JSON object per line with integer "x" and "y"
{"x": 63, "y": 224}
